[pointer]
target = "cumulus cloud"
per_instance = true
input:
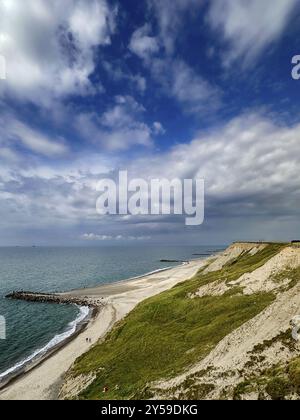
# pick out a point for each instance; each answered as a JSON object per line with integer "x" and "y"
{"x": 117, "y": 73}
{"x": 142, "y": 43}
{"x": 120, "y": 114}
{"x": 14, "y": 133}
{"x": 184, "y": 84}
{"x": 176, "y": 77}
{"x": 170, "y": 15}
{"x": 49, "y": 46}
{"x": 250, "y": 166}
{"x": 120, "y": 127}
{"x": 97, "y": 237}
{"x": 158, "y": 128}
{"x": 140, "y": 81}
{"x": 249, "y": 27}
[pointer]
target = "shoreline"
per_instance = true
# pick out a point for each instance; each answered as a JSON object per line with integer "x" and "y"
{"x": 119, "y": 299}
{"x": 39, "y": 355}
{"x": 118, "y": 287}
{"x": 129, "y": 280}
{"x": 33, "y": 361}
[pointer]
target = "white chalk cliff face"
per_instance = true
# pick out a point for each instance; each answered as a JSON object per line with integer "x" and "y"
{"x": 264, "y": 279}
{"x": 268, "y": 340}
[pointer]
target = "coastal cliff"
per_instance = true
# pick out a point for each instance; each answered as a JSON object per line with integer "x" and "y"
{"x": 225, "y": 333}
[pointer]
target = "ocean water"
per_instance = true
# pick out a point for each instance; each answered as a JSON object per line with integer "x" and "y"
{"x": 36, "y": 327}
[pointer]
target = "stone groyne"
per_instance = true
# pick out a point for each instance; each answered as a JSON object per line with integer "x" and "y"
{"x": 55, "y": 298}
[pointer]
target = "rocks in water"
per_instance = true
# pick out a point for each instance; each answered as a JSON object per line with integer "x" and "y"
{"x": 53, "y": 298}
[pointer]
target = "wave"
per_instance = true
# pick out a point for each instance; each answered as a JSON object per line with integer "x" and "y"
{"x": 59, "y": 338}
{"x": 160, "y": 270}
{"x": 149, "y": 273}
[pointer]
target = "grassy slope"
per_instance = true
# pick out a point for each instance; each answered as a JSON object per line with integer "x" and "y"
{"x": 169, "y": 332}
{"x": 281, "y": 381}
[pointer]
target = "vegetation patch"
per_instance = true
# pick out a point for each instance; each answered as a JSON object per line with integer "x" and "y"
{"x": 280, "y": 382}
{"x": 278, "y": 388}
{"x": 197, "y": 392}
{"x": 241, "y": 389}
{"x": 245, "y": 263}
{"x": 285, "y": 338}
{"x": 292, "y": 275}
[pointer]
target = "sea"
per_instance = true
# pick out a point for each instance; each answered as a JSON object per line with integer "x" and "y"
{"x": 34, "y": 328}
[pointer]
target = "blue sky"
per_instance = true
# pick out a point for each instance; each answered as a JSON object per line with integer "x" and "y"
{"x": 181, "y": 88}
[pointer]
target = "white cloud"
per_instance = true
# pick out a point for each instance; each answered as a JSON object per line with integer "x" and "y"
{"x": 116, "y": 73}
{"x": 49, "y": 46}
{"x": 251, "y": 156}
{"x": 158, "y": 128}
{"x": 119, "y": 128}
{"x": 184, "y": 84}
{"x": 142, "y": 44}
{"x": 140, "y": 81}
{"x": 97, "y": 237}
{"x": 124, "y": 138}
{"x": 121, "y": 114}
{"x": 14, "y": 132}
{"x": 177, "y": 78}
{"x": 249, "y": 27}
{"x": 170, "y": 15}
{"x": 250, "y": 166}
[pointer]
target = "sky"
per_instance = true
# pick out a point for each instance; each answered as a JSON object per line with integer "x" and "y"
{"x": 162, "y": 89}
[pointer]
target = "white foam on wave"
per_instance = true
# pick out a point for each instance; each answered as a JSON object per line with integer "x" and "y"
{"x": 59, "y": 338}
{"x": 160, "y": 270}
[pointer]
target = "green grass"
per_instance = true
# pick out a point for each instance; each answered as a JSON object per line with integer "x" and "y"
{"x": 284, "y": 380}
{"x": 292, "y": 275}
{"x": 170, "y": 332}
{"x": 280, "y": 382}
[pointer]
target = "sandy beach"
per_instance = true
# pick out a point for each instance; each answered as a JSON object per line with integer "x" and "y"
{"x": 44, "y": 381}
